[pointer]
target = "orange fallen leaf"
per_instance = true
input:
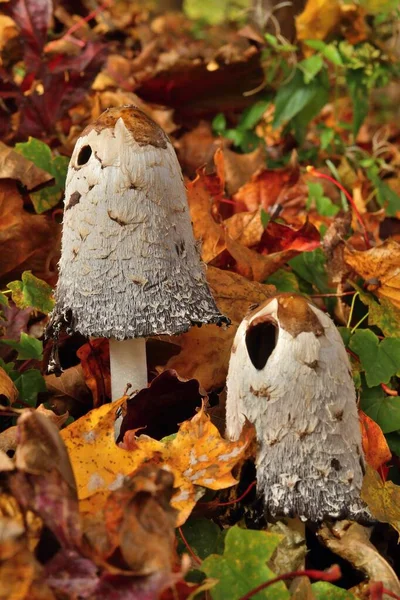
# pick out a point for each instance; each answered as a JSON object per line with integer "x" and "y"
{"x": 198, "y": 457}
{"x": 27, "y": 242}
{"x": 374, "y": 443}
{"x": 95, "y": 361}
{"x": 205, "y": 227}
{"x": 7, "y": 387}
{"x": 205, "y": 350}
{"x": 236, "y": 169}
{"x": 269, "y": 186}
{"x": 380, "y": 267}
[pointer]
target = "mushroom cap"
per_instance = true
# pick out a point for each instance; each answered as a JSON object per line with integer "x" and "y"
{"x": 130, "y": 266}
{"x": 289, "y": 374}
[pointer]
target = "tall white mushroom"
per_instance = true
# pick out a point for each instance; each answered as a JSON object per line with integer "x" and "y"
{"x": 130, "y": 267}
{"x": 289, "y": 374}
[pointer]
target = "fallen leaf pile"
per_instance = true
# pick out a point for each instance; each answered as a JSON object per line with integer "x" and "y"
{"x": 284, "y": 121}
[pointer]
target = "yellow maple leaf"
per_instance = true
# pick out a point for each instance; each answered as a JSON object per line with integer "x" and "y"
{"x": 382, "y": 498}
{"x": 198, "y": 457}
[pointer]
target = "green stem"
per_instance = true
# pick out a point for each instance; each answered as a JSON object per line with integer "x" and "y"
{"x": 352, "y": 309}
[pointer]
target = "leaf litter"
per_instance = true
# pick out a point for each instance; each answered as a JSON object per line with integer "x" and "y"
{"x": 170, "y": 509}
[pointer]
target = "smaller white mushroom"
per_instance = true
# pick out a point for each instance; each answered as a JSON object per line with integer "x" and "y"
{"x": 289, "y": 374}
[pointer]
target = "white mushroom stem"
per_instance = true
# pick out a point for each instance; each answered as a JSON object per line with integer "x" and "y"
{"x": 128, "y": 366}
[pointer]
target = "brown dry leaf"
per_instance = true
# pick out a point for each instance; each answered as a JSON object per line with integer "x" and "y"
{"x": 14, "y": 165}
{"x": 95, "y": 361}
{"x": 318, "y": 19}
{"x": 69, "y": 392}
{"x": 8, "y": 438}
{"x": 380, "y": 267}
{"x": 239, "y": 168}
{"x": 198, "y": 457}
{"x": 382, "y": 498}
{"x": 196, "y": 148}
{"x": 351, "y": 542}
{"x": 374, "y": 443}
{"x": 138, "y": 520}
{"x": 7, "y": 387}
{"x": 27, "y": 242}
{"x": 205, "y": 350}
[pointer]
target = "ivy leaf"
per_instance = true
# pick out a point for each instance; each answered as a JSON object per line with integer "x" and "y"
{"x": 29, "y": 384}
{"x": 243, "y": 566}
{"x": 203, "y": 536}
{"x": 40, "y": 154}
{"x": 384, "y": 410}
{"x": 28, "y": 347}
{"x": 380, "y": 361}
{"x": 393, "y": 440}
{"x": 32, "y": 292}
{"x": 311, "y": 266}
{"x": 284, "y": 281}
{"x": 382, "y": 313}
{"x": 323, "y": 590}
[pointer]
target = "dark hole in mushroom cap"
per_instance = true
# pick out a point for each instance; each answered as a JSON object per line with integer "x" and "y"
{"x": 84, "y": 155}
{"x": 335, "y": 464}
{"x": 260, "y": 342}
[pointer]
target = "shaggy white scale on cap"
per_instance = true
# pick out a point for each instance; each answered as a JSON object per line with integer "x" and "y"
{"x": 289, "y": 374}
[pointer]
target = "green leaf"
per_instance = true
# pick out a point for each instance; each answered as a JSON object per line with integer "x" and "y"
{"x": 32, "y": 292}
{"x": 265, "y": 218}
{"x": 359, "y": 97}
{"x": 380, "y": 361}
{"x": 386, "y": 197}
{"x": 384, "y": 410}
{"x": 326, "y": 136}
{"x": 219, "y": 123}
{"x": 27, "y": 347}
{"x": 29, "y": 383}
{"x": 40, "y": 154}
{"x": 321, "y": 96}
{"x": 393, "y": 440}
{"x": 382, "y": 313}
{"x": 292, "y": 97}
{"x": 252, "y": 115}
{"x": 243, "y": 566}
{"x": 311, "y": 266}
{"x": 324, "y": 205}
{"x": 311, "y": 66}
{"x": 323, "y": 590}
{"x": 332, "y": 54}
{"x": 284, "y": 281}
{"x": 3, "y": 299}
{"x": 203, "y": 536}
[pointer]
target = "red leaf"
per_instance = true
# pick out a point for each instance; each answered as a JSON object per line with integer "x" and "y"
{"x": 32, "y": 18}
{"x": 277, "y": 237}
{"x": 39, "y": 112}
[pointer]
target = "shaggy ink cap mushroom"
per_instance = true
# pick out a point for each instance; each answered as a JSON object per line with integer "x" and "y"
{"x": 130, "y": 266}
{"x": 289, "y": 374}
